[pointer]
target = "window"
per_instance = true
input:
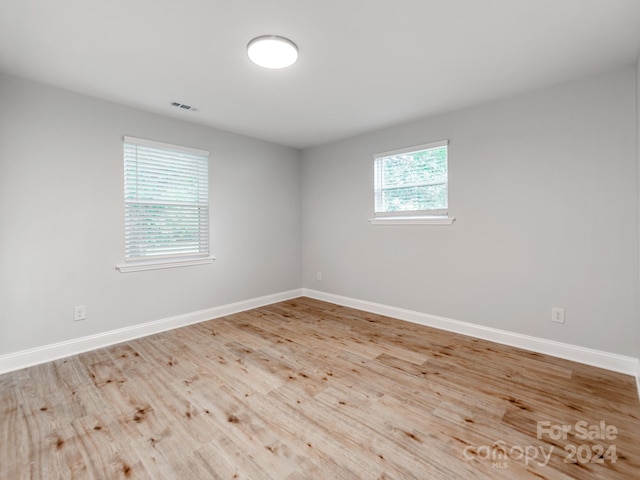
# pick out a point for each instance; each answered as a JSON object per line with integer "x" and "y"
{"x": 166, "y": 205}
{"x": 411, "y": 185}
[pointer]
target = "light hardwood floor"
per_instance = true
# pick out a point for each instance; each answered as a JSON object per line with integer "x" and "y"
{"x": 309, "y": 390}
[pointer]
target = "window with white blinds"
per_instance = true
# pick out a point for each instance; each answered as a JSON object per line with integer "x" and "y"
{"x": 412, "y": 182}
{"x": 166, "y": 201}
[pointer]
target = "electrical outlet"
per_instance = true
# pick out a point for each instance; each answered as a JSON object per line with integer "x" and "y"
{"x": 79, "y": 313}
{"x": 557, "y": 314}
{"x": 319, "y": 276}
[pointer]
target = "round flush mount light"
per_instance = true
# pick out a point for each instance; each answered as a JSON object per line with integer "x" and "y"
{"x": 272, "y": 51}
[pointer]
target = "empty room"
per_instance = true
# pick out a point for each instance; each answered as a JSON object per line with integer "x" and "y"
{"x": 297, "y": 240}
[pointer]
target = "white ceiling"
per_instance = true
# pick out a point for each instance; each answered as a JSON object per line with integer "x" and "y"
{"x": 364, "y": 64}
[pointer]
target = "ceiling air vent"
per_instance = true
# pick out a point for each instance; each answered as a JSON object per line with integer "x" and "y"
{"x": 184, "y": 106}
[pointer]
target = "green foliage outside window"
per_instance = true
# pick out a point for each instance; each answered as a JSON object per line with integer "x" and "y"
{"x": 414, "y": 181}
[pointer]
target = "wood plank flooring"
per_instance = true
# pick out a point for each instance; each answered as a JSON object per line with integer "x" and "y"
{"x": 304, "y": 389}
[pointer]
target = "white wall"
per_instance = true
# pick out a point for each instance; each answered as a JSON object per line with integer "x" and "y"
{"x": 543, "y": 187}
{"x": 61, "y": 218}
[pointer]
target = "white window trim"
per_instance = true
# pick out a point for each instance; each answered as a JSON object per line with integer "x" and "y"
{"x": 169, "y": 146}
{"x": 179, "y": 260}
{"x": 433, "y": 217}
{"x": 157, "y": 264}
{"x": 415, "y": 220}
{"x": 417, "y": 148}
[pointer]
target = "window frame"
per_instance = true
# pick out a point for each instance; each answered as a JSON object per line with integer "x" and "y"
{"x": 412, "y": 217}
{"x": 166, "y": 260}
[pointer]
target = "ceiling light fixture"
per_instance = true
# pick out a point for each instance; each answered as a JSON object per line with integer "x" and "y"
{"x": 272, "y": 51}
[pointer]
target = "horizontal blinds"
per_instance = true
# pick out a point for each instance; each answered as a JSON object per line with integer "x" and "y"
{"x": 412, "y": 181}
{"x": 166, "y": 200}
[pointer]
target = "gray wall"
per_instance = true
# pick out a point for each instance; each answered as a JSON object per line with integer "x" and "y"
{"x": 61, "y": 218}
{"x": 638, "y": 173}
{"x": 544, "y": 189}
{"x": 543, "y": 186}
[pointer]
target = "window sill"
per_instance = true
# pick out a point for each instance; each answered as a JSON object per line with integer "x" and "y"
{"x": 412, "y": 221}
{"x": 159, "y": 264}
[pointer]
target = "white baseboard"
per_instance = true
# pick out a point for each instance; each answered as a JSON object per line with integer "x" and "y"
{"x": 597, "y": 358}
{"x": 47, "y": 353}
{"x": 638, "y": 377}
